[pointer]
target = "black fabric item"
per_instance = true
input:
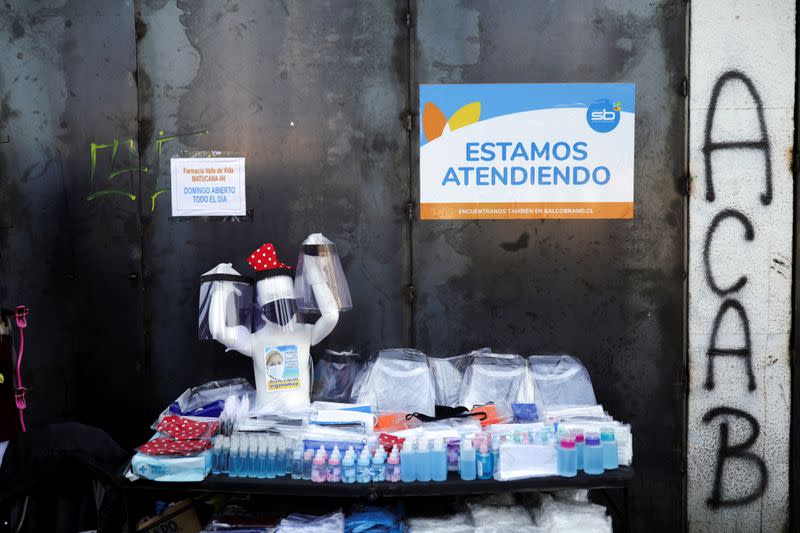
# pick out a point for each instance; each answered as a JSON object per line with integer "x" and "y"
{"x": 444, "y": 412}
{"x": 58, "y": 463}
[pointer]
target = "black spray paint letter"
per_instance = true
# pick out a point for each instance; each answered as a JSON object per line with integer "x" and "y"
{"x": 749, "y": 235}
{"x": 738, "y": 451}
{"x": 744, "y": 352}
{"x": 761, "y": 143}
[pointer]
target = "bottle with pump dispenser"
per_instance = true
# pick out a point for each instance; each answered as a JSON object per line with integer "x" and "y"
{"x": 393, "y": 470}
{"x": 408, "y": 462}
{"x": 567, "y": 457}
{"x": 466, "y": 463}
{"x": 318, "y": 469}
{"x": 483, "y": 462}
{"x": 423, "y": 460}
{"x": 610, "y": 451}
{"x": 349, "y": 466}
{"x": 593, "y": 455}
{"x": 438, "y": 461}
{"x": 362, "y": 469}
{"x": 334, "y": 472}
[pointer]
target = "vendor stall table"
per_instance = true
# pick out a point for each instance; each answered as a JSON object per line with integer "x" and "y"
{"x": 619, "y": 479}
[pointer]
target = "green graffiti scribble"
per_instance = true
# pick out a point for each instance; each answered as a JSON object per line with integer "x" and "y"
{"x": 160, "y": 141}
{"x": 111, "y": 191}
{"x": 95, "y": 148}
{"x": 128, "y": 169}
{"x": 155, "y": 195}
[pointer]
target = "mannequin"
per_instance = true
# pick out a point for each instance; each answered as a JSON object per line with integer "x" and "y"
{"x": 280, "y": 346}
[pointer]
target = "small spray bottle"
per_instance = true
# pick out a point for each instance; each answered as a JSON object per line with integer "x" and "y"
{"x": 484, "y": 466}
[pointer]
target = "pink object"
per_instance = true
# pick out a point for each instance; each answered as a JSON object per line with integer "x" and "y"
{"x": 567, "y": 442}
{"x": 393, "y": 467}
{"x": 318, "y": 470}
{"x": 21, "y": 314}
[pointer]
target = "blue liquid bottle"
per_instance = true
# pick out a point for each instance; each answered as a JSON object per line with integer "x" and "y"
{"x": 593, "y": 455}
{"x": 297, "y": 464}
{"x": 271, "y": 456}
{"x": 483, "y": 464}
{"x": 252, "y": 458}
{"x": 579, "y": 447}
{"x": 423, "y": 461}
{"x": 567, "y": 457}
{"x": 349, "y": 467}
{"x": 438, "y": 461}
{"x": 216, "y": 453}
{"x": 466, "y": 463}
{"x": 377, "y": 471}
{"x": 225, "y": 455}
{"x": 236, "y": 457}
{"x": 610, "y": 454}
{"x": 408, "y": 462}
{"x": 362, "y": 469}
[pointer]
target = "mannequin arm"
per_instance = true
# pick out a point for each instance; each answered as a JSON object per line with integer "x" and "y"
{"x": 232, "y": 337}
{"x": 325, "y": 301}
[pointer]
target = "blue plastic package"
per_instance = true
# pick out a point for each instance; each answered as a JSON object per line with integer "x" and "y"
{"x": 525, "y": 412}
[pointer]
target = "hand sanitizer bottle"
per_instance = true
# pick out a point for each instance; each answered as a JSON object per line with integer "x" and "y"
{"x": 610, "y": 454}
{"x": 438, "y": 461}
{"x": 308, "y": 459}
{"x": 393, "y": 471}
{"x": 377, "y": 471}
{"x": 261, "y": 461}
{"x": 334, "y": 472}
{"x": 408, "y": 462}
{"x": 567, "y": 457}
{"x": 484, "y": 467}
{"x": 593, "y": 455}
{"x": 318, "y": 469}
{"x": 466, "y": 463}
{"x": 272, "y": 454}
{"x": 579, "y": 447}
{"x": 349, "y": 466}
{"x": 364, "y": 463}
{"x": 297, "y": 463}
{"x": 423, "y": 460}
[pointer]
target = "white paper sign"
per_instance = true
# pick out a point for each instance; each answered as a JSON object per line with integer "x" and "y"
{"x": 208, "y": 186}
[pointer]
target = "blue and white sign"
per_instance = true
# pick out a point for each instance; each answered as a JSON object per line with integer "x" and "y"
{"x": 497, "y": 151}
{"x": 208, "y": 186}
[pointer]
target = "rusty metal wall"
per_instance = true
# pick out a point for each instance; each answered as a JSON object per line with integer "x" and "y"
{"x": 67, "y": 80}
{"x": 610, "y": 292}
{"x": 312, "y": 94}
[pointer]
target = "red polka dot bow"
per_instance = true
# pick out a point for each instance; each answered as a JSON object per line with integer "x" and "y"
{"x": 169, "y": 446}
{"x": 265, "y": 258}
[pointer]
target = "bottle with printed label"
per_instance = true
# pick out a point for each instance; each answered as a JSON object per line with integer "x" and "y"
{"x": 308, "y": 459}
{"x": 438, "y": 461}
{"x": 377, "y": 471}
{"x": 349, "y": 466}
{"x": 334, "y": 472}
{"x": 318, "y": 468}
{"x": 408, "y": 458}
{"x": 567, "y": 457}
{"x": 363, "y": 469}
{"x": 483, "y": 462}
{"x": 393, "y": 470}
{"x": 466, "y": 463}
{"x": 610, "y": 451}
{"x": 593, "y": 455}
{"x": 423, "y": 460}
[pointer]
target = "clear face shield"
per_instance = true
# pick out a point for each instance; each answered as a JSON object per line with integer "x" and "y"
{"x": 225, "y": 305}
{"x": 275, "y": 302}
{"x": 319, "y": 263}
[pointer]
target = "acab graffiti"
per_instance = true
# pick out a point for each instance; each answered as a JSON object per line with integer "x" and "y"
{"x": 733, "y": 447}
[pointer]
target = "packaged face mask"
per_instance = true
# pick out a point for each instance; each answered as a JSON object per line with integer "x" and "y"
{"x": 399, "y": 380}
{"x": 161, "y": 468}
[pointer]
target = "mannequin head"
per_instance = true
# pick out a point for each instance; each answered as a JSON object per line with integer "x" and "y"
{"x": 275, "y": 299}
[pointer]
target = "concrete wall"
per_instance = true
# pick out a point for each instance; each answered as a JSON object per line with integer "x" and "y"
{"x": 742, "y": 79}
